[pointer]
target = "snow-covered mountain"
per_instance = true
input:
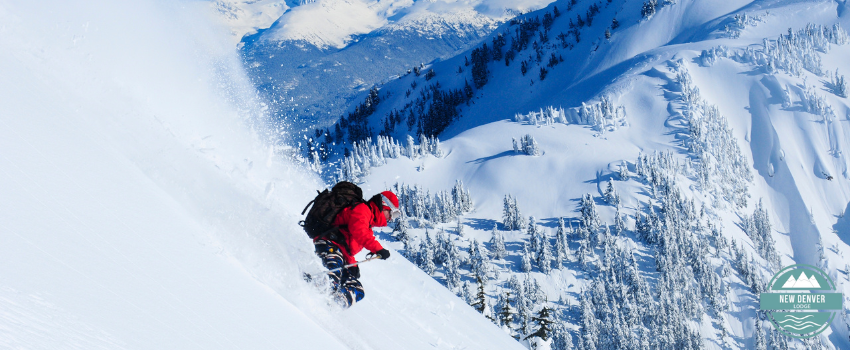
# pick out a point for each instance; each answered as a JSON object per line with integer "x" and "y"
{"x": 721, "y": 126}
{"x": 613, "y": 184}
{"x": 247, "y": 17}
{"x": 351, "y": 45}
{"x": 143, "y": 204}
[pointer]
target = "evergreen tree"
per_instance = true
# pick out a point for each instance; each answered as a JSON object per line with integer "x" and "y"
{"x": 440, "y": 247}
{"x": 544, "y": 259}
{"x": 480, "y": 301}
{"x": 759, "y": 337}
{"x": 543, "y": 322}
{"x": 589, "y": 328}
{"x": 511, "y": 216}
{"x": 526, "y": 258}
{"x": 402, "y": 227}
{"x": 584, "y": 249}
{"x": 459, "y": 228}
{"x": 477, "y": 260}
{"x": 533, "y": 235}
{"x": 759, "y": 229}
{"x": 839, "y": 84}
{"x": 409, "y": 252}
{"x": 426, "y": 255}
{"x": 480, "y": 57}
{"x": 623, "y": 172}
{"x": 590, "y": 219}
{"x": 562, "y": 339}
{"x": 506, "y": 314}
{"x": 611, "y": 196}
{"x": 648, "y": 8}
{"x": 528, "y": 145}
{"x": 562, "y": 233}
{"x": 619, "y": 223}
{"x": 560, "y": 244}
{"x": 821, "y": 254}
{"x": 508, "y": 219}
{"x": 518, "y": 215}
{"x": 497, "y": 244}
{"x": 466, "y": 294}
{"x": 452, "y": 264}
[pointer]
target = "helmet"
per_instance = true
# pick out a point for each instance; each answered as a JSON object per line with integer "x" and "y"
{"x": 390, "y": 201}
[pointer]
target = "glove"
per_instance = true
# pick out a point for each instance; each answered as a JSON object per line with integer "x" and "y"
{"x": 382, "y": 254}
{"x": 354, "y": 272}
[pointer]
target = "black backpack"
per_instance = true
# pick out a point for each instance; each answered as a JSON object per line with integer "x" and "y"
{"x": 326, "y": 206}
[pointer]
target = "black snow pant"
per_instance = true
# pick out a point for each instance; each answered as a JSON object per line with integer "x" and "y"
{"x": 345, "y": 287}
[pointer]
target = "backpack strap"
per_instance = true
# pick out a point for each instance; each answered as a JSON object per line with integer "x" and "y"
{"x": 309, "y": 204}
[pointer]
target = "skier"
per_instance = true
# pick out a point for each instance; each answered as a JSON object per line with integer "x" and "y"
{"x": 355, "y": 233}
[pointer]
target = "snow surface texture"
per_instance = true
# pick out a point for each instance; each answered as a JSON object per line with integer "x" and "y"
{"x": 142, "y": 207}
{"x": 779, "y": 128}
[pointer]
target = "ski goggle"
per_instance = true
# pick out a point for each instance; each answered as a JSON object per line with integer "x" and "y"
{"x": 394, "y": 211}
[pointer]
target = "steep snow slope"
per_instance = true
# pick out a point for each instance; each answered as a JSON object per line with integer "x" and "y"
{"x": 142, "y": 206}
{"x": 786, "y": 119}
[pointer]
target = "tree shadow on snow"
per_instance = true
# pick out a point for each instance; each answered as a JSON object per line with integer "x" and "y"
{"x": 481, "y": 224}
{"x": 481, "y": 160}
{"x": 842, "y": 226}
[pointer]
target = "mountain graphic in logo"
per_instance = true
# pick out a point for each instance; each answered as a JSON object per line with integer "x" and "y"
{"x": 802, "y": 282}
{"x": 801, "y": 301}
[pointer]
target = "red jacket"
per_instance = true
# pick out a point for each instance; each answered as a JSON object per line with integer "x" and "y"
{"x": 356, "y": 226}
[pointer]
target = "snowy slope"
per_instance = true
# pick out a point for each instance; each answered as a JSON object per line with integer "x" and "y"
{"x": 351, "y": 45}
{"x": 333, "y": 23}
{"x": 142, "y": 207}
{"x": 246, "y": 17}
{"x": 791, "y": 128}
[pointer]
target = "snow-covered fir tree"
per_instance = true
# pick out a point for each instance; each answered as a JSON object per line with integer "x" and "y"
{"x": 441, "y": 242}
{"x": 528, "y": 146}
{"x": 759, "y": 229}
{"x": 839, "y": 84}
{"x": 497, "y": 244}
{"x": 452, "y": 267}
{"x": 478, "y": 262}
{"x": 480, "y": 299}
{"x": 506, "y": 312}
{"x": 619, "y": 222}
{"x": 466, "y": 293}
{"x": 442, "y": 207}
{"x": 623, "y": 172}
{"x": 545, "y": 257}
{"x": 542, "y": 323}
{"x": 589, "y": 324}
{"x": 590, "y": 218}
{"x": 426, "y": 254}
{"x": 526, "y": 258}
{"x": 561, "y": 250}
{"x": 512, "y": 218}
{"x": 401, "y": 228}
{"x": 611, "y": 196}
{"x": 534, "y": 235}
{"x": 562, "y": 339}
